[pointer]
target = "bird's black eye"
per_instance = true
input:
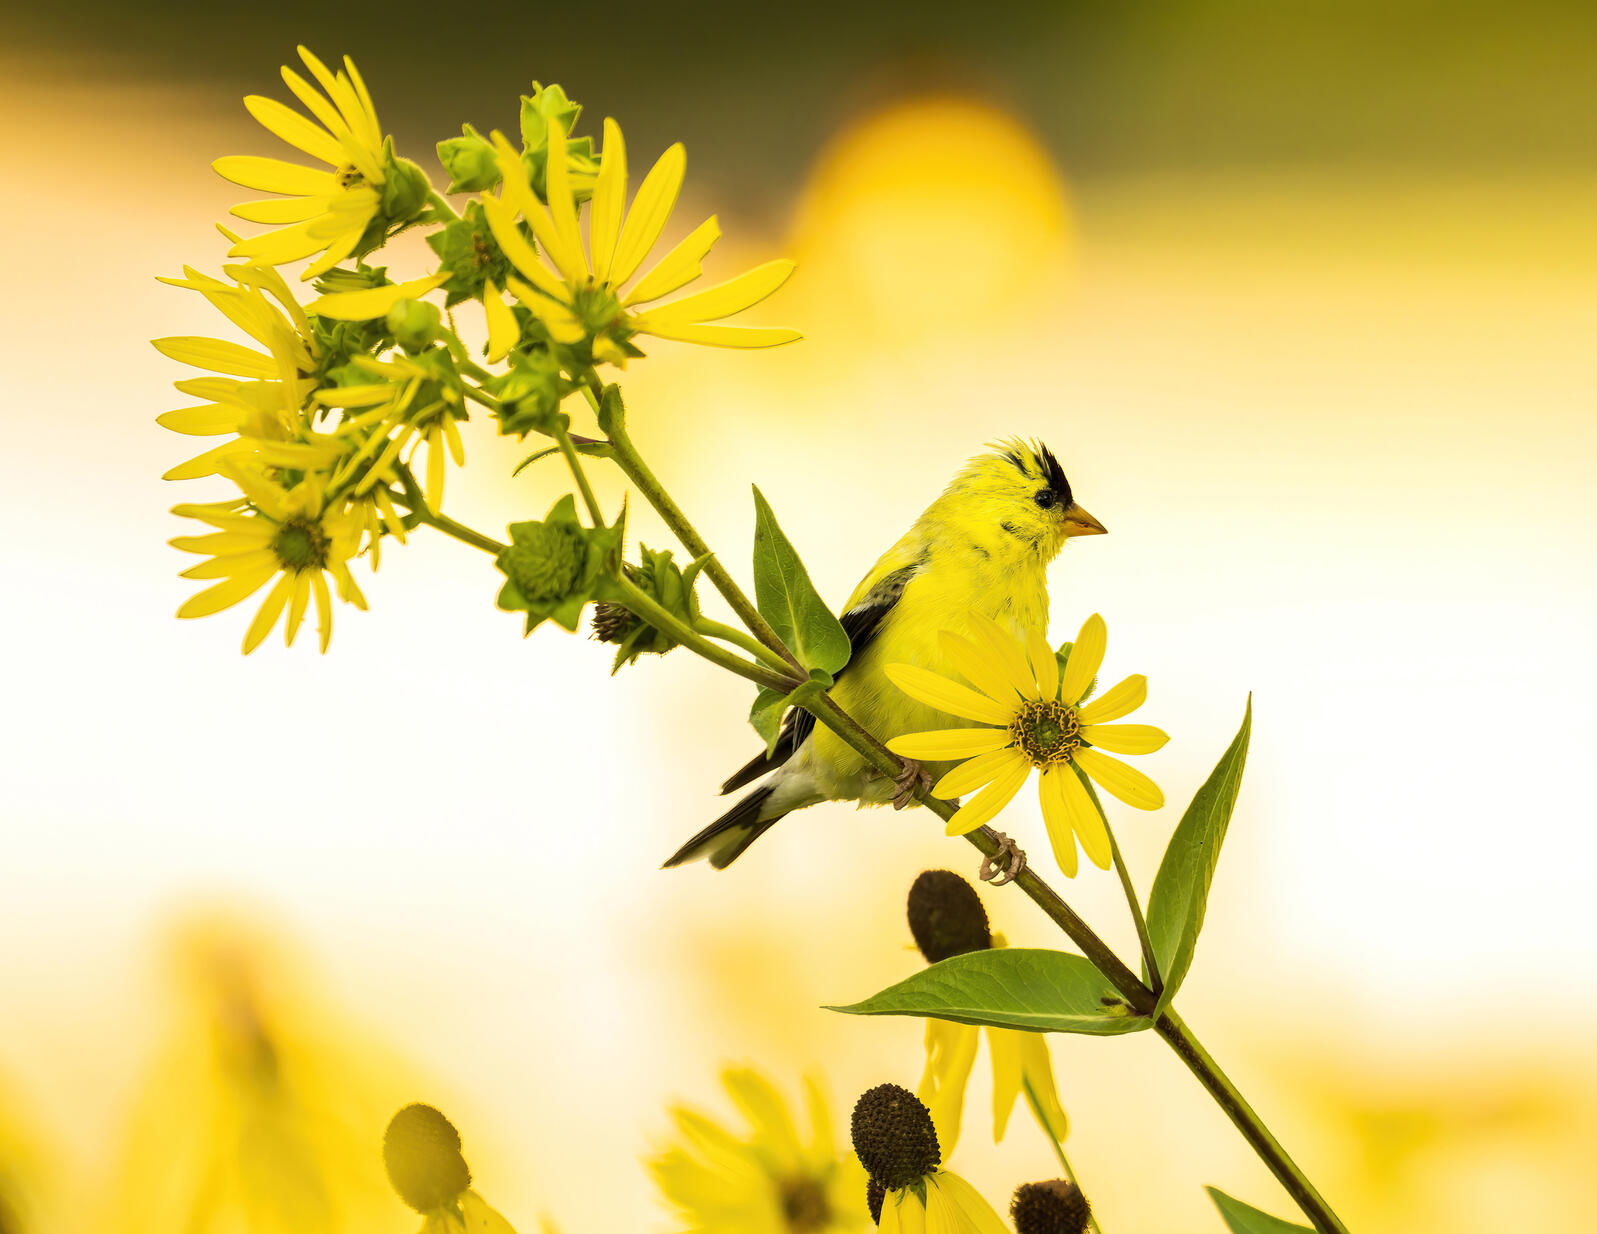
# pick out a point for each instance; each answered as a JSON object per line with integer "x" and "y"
{"x": 1044, "y": 497}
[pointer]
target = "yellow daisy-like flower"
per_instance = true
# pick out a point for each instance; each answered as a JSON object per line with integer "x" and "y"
{"x": 1038, "y": 721}
{"x": 293, "y": 535}
{"x": 407, "y": 406}
{"x": 774, "y": 1180}
{"x": 323, "y": 212}
{"x": 910, "y": 1192}
{"x": 583, "y": 296}
{"x": 255, "y": 396}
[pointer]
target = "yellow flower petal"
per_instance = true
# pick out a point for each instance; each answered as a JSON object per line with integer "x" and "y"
{"x": 1044, "y": 664}
{"x": 502, "y": 222}
{"x": 560, "y": 321}
{"x": 950, "y": 1055}
{"x": 230, "y": 565}
{"x": 217, "y": 355}
{"x": 268, "y": 613}
{"x": 279, "y": 210}
{"x": 679, "y": 267}
{"x": 1125, "y": 738}
{"x": 972, "y": 774}
{"x": 1126, "y": 783}
{"x": 927, "y": 687}
{"x": 978, "y": 1215}
{"x": 1057, "y": 817}
{"x": 981, "y": 669}
{"x": 206, "y": 421}
{"x": 1085, "y": 658}
{"x": 743, "y": 337}
{"x": 1120, "y": 700}
{"x": 985, "y": 805}
{"x": 1004, "y": 1047}
{"x": 275, "y": 176}
{"x": 609, "y": 201}
{"x": 1085, "y": 819}
{"x": 1038, "y": 1069}
{"x": 940, "y": 745}
{"x": 1006, "y": 652}
{"x": 372, "y": 302}
{"x": 324, "y": 608}
{"x": 566, "y": 249}
{"x": 656, "y": 198}
{"x": 725, "y": 299}
{"x": 503, "y": 332}
{"x": 284, "y": 122}
{"x": 226, "y": 594}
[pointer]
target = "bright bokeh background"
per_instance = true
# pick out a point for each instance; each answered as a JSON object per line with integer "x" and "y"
{"x": 1321, "y": 361}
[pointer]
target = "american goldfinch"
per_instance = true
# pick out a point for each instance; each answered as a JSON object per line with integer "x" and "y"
{"x": 977, "y": 556}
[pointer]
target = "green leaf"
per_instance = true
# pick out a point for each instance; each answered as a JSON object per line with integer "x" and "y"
{"x": 766, "y": 716}
{"x": 788, "y": 600}
{"x": 1181, "y": 888}
{"x": 1243, "y": 1218}
{"x": 1010, "y": 987}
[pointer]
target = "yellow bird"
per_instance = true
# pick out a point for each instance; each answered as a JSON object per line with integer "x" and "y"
{"x": 981, "y": 548}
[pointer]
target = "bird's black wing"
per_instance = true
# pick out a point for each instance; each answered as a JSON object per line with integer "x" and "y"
{"x": 860, "y": 623}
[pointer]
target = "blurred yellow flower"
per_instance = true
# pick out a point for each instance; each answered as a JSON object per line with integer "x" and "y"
{"x": 20, "y": 1175}
{"x": 263, "y": 1113}
{"x": 291, "y": 534}
{"x": 582, "y": 298}
{"x": 1040, "y": 723}
{"x": 774, "y": 1181}
{"x": 324, "y": 212}
{"x": 421, "y": 1151}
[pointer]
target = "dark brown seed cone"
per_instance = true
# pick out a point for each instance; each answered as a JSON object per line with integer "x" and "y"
{"x": 875, "y": 1193}
{"x": 946, "y": 916}
{"x": 1053, "y": 1207}
{"x": 421, "y": 1149}
{"x": 894, "y": 1137}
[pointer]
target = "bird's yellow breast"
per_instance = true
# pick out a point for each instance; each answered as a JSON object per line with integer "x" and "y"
{"x": 957, "y": 580}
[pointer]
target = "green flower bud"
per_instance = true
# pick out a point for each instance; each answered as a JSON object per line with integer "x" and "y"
{"x": 414, "y": 323}
{"x": 658, "y": 577}
{"x": 553, "y": 567}
{"x": 467, "y": 249}
{"x": 405, "y": 187}
{"x": 470, "y": 160}
{"x": 530, "y": 394}
{"x": 543, "y": 105}
{"x": 421, "y": 1150}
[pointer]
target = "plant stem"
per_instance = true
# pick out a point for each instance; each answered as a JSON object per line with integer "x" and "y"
{"x": 645, "y": 481}
{"x": 1059, "y": 1149}
{"x": 643, "y": 605}
{"x": 1143, "y": 940}
{"x": 731, "y": 634}
{"x": 1179, "y": 1037}
{"x": 581, "y": 477}
{"x": 447, "y": 525}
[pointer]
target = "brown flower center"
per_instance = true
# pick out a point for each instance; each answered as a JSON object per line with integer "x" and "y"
{"x": 1046, "y": 732}
{"x": 804, "y": 1205}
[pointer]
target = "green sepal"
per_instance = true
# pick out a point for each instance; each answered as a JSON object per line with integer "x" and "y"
{"x": 545, "y": 104}
{"x": 405, "y": 187}
{"x": 1180, "y": 892}
{"x": 1243, "y": 1218}
{"x": 466, "y": 248}
{"x": 788, "y": 600}
{"x": 1011, "y": 987}
{"x": 612, "y": 411}
{"x": 530, "y": 393}
{"x": 554, "y": 566}
{"x": 658, "y": 577}
{"x": 470, "y": 160}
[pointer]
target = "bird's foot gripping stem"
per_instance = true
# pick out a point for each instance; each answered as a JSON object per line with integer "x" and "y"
{"x": 1004, "y": 866}
{"x": 912, "y": 779}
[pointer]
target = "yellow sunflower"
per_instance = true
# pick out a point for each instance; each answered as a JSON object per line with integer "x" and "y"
{"x": 294, "y": 535}
{"x": 254, "y": 396}
{"x": 1039, "y": 721}
{"x": 910, "y": 1192}
{"x": 323, "y": 212}
{"x": 775, "y": 1180}
{"x": 582, "y": 296}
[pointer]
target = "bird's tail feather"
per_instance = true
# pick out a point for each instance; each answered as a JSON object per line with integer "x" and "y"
{"x": 724, "y": 840}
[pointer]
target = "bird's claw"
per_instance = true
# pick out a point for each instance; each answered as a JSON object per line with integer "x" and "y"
{"x": 1012, "y": 858}
{"x": 912, "y": 779}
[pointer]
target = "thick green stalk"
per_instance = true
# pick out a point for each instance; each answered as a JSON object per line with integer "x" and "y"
{"x": 580, "y": 476}
{"x": 1189, "y": 1050}
{"x": 731, "y": 634}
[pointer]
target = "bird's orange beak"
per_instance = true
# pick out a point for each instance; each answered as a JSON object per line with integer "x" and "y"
{"x": 1079, "y": 523}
